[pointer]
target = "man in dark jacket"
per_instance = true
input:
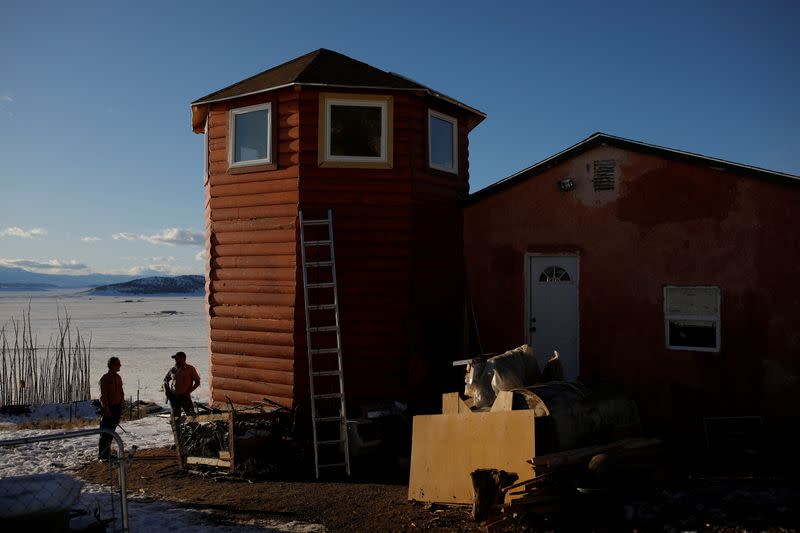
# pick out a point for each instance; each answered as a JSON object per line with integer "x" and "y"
{"x": 111, "y": 398}
{"x": 179, "y": 383}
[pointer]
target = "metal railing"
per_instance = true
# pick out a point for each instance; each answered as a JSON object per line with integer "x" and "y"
{"x": 121, "y": 462}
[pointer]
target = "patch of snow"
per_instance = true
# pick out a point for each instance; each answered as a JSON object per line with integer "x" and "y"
{"x": 144, "y": 515}
{"x": 53, "y": 411}
{"x": 38, "y": 493}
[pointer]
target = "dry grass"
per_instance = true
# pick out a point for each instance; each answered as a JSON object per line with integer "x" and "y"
{"x": 56, "y": 423}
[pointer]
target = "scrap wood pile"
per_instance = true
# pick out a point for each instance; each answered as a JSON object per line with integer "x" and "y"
{"x": 562, "y": 479}
{"x": 231, "y": 439}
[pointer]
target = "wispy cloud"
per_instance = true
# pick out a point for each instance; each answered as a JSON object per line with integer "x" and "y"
{"x": 51, "y": 265}
{"x": 23, "y": 233}
{"x": 200, "y": 256}
{"x": 90, "y": 239}
{"x": 6, "y": 99}
{"x": 169, "y": 237}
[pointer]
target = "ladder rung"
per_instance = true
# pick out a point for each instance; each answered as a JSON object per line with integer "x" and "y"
{"x": 325, "y": 242}
{"x": 321, "y": 329}
{"x": 325, "y": 373}
{"x": 331, "y": 465}
{"x": 315, "y": 264}
{"x": 320, "y": 285}
{"x": 327, "y": 442}
{"x": 329, "y": 419}
{"x": 320, "y": 222}
{"x": 327, "y": 396}
{"x": 316, "y": 351}
{"x": 320, "y": 307}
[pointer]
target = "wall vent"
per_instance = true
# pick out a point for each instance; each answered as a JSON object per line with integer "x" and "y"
{"x": 604, "y": 175}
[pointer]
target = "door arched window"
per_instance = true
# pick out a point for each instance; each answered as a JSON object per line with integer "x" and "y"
{"x": 554, "y": 274}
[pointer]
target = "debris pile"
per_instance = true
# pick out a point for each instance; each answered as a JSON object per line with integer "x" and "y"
{"x": 593, "y": 479}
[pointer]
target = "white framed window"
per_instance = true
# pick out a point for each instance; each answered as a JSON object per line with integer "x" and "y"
{"x": 692, "y": 318}
{"x": 355, "y": 131}
{"x": 250, "y": 135}
{"x": 442, "y": 142}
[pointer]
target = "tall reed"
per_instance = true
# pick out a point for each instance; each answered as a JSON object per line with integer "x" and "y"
{"x": 33, "y": 375}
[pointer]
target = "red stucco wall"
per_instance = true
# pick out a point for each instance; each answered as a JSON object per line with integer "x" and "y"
{"x": 668, "y": 222}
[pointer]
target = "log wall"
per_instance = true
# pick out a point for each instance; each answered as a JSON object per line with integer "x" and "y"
{"x": 252, "y": 283}
{"x": 398, "y": 239}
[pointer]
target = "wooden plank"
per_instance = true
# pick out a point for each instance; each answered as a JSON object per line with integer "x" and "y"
{"x": 250, "y": 361}
{"x": 243, "y": 298}
{"x": 254, "y": 387}
{"x": 221, "y": 395}
{"x": 452, "y": 404}
{"x": 277, "y": 274}
{"x": 255, "y": 337}
{"x": 266, "y": 248}
{"x": 258, "y": 224}
{"x": 253, "y": 311}
{"x": 503, "y": 401}
{"x": 257, "y": 375}
{"x": 252, "y": 286}
{"x": 446, "y": 449}
{"x": 208, "y": 461}
{"x": 254, "y": 261}
{"x": 236, "y": 190}
{"x": 254, "y": 237}
{"x": 255, "y": 350}
{"x": 253, "y": 324}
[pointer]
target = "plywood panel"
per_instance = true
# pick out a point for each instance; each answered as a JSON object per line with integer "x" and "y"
{"x": 445, "y": 449}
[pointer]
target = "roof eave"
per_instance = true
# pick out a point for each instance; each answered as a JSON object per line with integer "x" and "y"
{"x": 200, "y": 107}
{"x": 604, "y": 138}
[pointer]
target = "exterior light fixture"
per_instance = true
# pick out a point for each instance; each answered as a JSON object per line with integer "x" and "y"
{"x": 566, "y": 185}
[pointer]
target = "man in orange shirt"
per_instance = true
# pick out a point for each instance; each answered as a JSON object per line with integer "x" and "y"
{"x": 111, "y": 397}
{"x": 185, "y": 380}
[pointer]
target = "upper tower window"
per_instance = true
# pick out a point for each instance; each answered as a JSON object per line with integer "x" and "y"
{"x": 249, "y": 134}
{"x": 355, "y": 131}
{"x": 442, "y": 142}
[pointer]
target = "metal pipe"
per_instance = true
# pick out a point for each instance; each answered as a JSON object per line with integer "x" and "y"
{"x": 87, "y": 433}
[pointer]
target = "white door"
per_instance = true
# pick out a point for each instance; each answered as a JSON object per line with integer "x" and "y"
{"x": 553, "y": 309}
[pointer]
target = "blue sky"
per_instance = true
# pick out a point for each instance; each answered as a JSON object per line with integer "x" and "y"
{"x": 100, "y": 172}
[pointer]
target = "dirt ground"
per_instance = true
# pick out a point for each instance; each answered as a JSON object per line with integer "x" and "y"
{"x": 718, "y": 504}
{"x": 345, "y": 507}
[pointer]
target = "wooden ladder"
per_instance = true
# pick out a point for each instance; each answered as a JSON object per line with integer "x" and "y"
{"x": 325, "y": 376}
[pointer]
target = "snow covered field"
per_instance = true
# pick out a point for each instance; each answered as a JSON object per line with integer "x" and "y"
{"x": 63, "y": 456}
{"x": 144, "y": 331}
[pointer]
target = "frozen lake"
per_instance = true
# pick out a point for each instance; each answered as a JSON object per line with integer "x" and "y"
{"x": 143, "y": 331}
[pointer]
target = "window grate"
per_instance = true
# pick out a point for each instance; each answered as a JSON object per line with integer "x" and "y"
{"x": 604, "y": 177}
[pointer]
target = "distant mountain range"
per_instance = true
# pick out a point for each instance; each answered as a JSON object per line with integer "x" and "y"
{"x": 155, "y": 285}
{"x": 19, "y": 279}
